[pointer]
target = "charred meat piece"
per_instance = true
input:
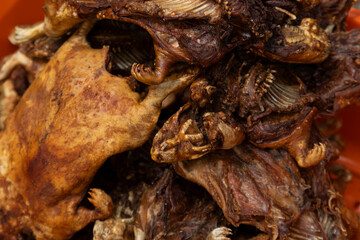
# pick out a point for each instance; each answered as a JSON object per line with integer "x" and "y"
{"x": 260, "y": 102}
{"x": 181, "y": 139}
{"x": 303, "y": 43}
{"x": 198, "y": 127}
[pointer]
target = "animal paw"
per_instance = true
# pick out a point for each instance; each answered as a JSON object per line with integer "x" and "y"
{"x": 23, "y": 34}
{"x": 314, "y": 156}
{"x": 220, "y": 233}
{"x": 101, "y": 201}
{"x": 145, "y": 74}
{"x": 194, "y": 137}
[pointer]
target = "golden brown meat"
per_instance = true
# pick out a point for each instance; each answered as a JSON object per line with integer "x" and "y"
{"x": 70, "y": 120}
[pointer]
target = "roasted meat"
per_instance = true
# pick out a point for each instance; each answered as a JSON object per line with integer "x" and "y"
{"x": 226, "y": 94}
{"x": 60, "y": 123}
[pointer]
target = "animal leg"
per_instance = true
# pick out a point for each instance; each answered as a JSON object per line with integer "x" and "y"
{"x": 23, "y": 34}
{"x": 154, "y": 76}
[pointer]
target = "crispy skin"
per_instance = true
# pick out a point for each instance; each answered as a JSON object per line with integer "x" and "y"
{"x": 70, "y": 120}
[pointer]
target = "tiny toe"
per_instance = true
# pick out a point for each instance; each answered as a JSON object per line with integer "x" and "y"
{"x": 315, "y": 155}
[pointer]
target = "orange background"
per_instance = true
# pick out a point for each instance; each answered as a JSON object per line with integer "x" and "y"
{"x": 21, "y": 12}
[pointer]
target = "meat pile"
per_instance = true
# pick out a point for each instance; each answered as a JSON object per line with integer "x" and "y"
{"x": 194, "y": 119}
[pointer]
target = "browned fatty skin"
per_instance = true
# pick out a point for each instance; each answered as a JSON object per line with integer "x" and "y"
{"x": 70, "y": 120}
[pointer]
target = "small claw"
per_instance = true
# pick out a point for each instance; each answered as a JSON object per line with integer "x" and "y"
{"x": 196, "y": 137}
{"x": 185, "y": 126}
{"x": 101, "y": 201}
{"x": 314, "y": 156}
{"x": 219, "y": 233}
{"x": 145, "y": 74}
{"x": 202, "y": 149}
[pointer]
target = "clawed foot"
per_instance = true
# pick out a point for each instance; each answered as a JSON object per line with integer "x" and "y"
{"x": 187, "y": 144}
{"x": 23, "y": 34}
{"x": 216, "y": 125}
{"x": 195, "y": 136}
{"x": 191, "y": 140}
{"x": 146, "y": 74}
{"x": 190, "y": 132}
{"x": 220, "y": 233}
{"x": 102, "y": 202}
{"x": 313, "y": 157}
